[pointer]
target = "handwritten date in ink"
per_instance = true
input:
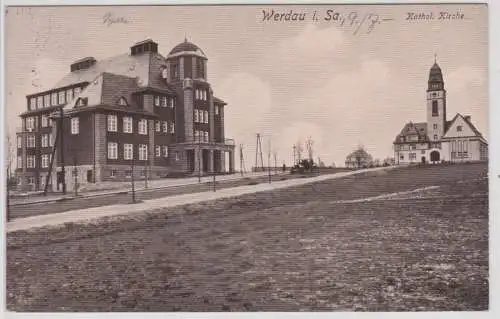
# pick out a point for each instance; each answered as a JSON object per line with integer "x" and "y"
{"x": 359, "y": 23}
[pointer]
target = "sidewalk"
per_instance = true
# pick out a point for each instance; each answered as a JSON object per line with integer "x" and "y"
{"x": 86, "y": 215}
{"x": 139, "y": 186}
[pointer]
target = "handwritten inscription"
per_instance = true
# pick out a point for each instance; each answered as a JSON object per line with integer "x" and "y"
{"x": 109, "y": 19}
{"x": 428, "y": 16}
{"x": 358, "y": 23}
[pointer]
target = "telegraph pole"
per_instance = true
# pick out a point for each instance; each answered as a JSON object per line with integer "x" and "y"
{"x": 63, "y": 166}
{"x": 199, "y": 158}
{"x": 133, "y": 182}
{"x": 242, "y": 162}
{"x": 275, "y": 164}
{"x": 269, "y": 162}
{"x": 75, "y": 175}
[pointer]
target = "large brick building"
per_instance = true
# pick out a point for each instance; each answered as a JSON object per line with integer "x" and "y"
{"x": 138, "y": 108}
{"x": 438, "y": 139}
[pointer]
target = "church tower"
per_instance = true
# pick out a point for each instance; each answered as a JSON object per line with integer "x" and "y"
{"x": 436, "y": 104}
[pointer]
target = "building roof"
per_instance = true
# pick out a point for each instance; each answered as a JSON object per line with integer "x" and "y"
{"x": 419, "y": 129}
{"x": 185, "y": 46}
{"x": 435, "y": 73}
{"x": 219, "y": 101}
{"x": 466, "y": 120}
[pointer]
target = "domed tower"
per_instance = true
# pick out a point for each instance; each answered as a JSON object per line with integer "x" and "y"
{"x": 436, "y": 104}
{"x": 187, "y": 70}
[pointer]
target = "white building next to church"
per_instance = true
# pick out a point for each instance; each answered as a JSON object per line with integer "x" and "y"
{"x": 438, "y": 139}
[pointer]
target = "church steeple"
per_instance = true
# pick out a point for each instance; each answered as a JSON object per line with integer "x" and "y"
{"x": 436, "y": 82}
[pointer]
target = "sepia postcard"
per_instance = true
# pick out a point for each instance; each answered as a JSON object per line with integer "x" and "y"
{"x": 247, "y": 158}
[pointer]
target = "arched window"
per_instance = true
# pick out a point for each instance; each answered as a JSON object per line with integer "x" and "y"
{"x": 435, "y": 111}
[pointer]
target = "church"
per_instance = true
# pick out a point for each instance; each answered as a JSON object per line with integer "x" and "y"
{"x": 439, "y": 140}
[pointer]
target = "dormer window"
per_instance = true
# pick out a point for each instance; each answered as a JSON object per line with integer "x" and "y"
{"x": 122, "y": 102}
{"x": 81, "y": 102}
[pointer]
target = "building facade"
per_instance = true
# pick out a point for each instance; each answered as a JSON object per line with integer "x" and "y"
{"x": 136, "y": 113}
{"x": 438, "y": 139}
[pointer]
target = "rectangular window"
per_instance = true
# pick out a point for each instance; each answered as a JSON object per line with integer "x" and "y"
{"x": 435, "y": 137}
{"x": 165, "y": 127}
{"x": 158, "y": 126}
{"x": 127, "y": 125}
{"x": 157, "y": 150}
{"x": 62, "y": 96}
{"x": 45, "y": 160}
{"x": 206, "y": 116}
{"x": 32, "y": 103}
{"x": 45, "y": 140}
{"x": 165, "y": 151}
{"x": 30, "y": 161}
{"x": 30, "y": 141}
{"x": 39, "y": 102}
{"x": 172, "y": 127}
{"x": 45, "y": 120}
{"x": 30, "y": 123}
{"x": 53, "y": 99}
{"x": 19, "y": 142}
{"x": 459, "y": 128}
{"x": 77, "y": 91}
{"x": 157, "y": 100}
{"x": 113, "y": 150}
{"x": 143, "y": 152}
{"x": 197, "y": 94}
{"x": 75, "y": 125}
{"x": 112, "y": 173}
{"x": 128, "y": 151}
{"x": 164, "y": 101}
{"x": 206, "y": 137}
{"x": 143, "y": 127}
{"x": 435, "y": 126}
{"x": 172, "y": 102}
{"x": 216, "y": 110}
{"x": 69, "y": 95}
{"x": 51, "y": 140}
{"x": 19, "y": 161}
{"x": 112, "y": 123}
{"x": 46, "y": 100}
{"x": 196, "y": 115}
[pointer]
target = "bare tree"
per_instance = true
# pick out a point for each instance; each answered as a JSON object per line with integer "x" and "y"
{"x": 10, "y": 154}
{"x": 309, "y": 146}
{"x": 299, "y": 150}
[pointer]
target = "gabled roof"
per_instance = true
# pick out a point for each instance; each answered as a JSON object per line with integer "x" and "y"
{"x": 466, "y": 120}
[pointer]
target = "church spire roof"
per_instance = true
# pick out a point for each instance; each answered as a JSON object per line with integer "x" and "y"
{"x": 436, "y": 81}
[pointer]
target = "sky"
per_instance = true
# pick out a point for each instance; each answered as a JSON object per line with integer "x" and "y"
{"x": 338, "y": 84}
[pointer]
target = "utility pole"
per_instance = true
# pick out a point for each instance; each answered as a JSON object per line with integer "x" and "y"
{"x": 63, "y": 166}
{"x": 294, "y": 154}
{"x": 75, "y": 175}
{"x": 199, "y": 158}
{"x": 132, "y": 176}
{"x": 258, "y": 155}
{"x": 275, "y": 164}
{"x": 269, "y": 161}
{"x": 242, "y": 162}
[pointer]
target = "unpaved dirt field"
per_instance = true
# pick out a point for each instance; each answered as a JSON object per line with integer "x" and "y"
{"x": 293, "y": 249}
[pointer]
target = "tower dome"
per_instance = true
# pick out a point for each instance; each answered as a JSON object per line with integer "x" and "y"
{"x": 187, "y": 48}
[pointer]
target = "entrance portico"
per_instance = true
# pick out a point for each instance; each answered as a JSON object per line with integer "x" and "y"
{"x": 206, "y": 157}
